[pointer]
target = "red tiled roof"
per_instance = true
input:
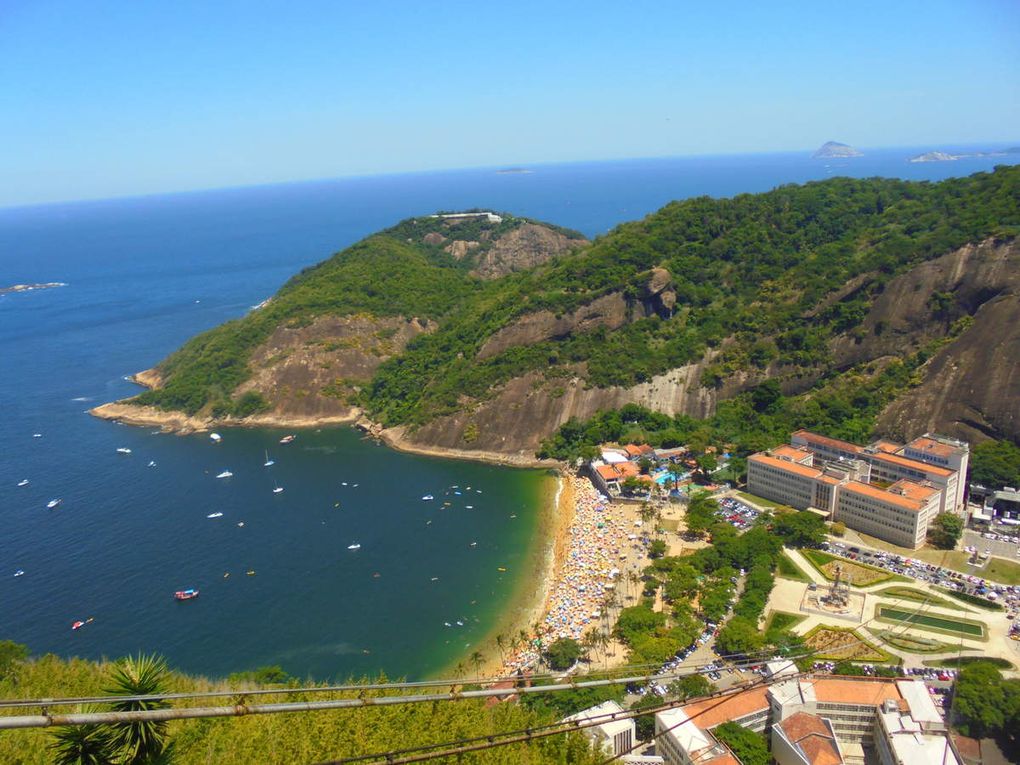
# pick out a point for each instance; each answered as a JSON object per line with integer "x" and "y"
{"x": 790, "y": 467}
{"x": 835, "y": 443}
{"x": 883, "y": 495}
{"x": 924, "y": 467}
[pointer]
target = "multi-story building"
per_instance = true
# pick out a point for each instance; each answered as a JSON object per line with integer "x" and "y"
{"x": 876, "y": 489}
{"x": 935, "y": 459}
{"x": 612, "y": 736}
{"x": 814, "y": 720}
{"x": 899, "y": 514}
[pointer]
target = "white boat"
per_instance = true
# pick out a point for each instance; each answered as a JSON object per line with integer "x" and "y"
{"x": 215, "y": 515}
{"x": 152, "y": 463}
{"x": 37, "y": 435}
{"x": 355, "y": 546}
{"x": 53, "y": 503}
{"x": 287, "y": 439}
{"x": 225, "y": 474}
{"x": 215, "y": 437}
{"x": 23, "y": 482}
{"x": 19, "y": 572}
{"x": 268, "y": 461}
{"x": 277, "y": 489}
{"x": 123, "y": 450}
{"x": 427, "y": 498}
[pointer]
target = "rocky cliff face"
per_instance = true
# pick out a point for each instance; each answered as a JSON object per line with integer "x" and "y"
{"x": 525, "y": 247}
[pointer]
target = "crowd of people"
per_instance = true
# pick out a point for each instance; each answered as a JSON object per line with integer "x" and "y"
{"x": 598, "y": 537}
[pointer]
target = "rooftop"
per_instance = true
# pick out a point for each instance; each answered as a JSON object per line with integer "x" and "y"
{"x": 924, "y": 467}
{"x": 884, "y": 495}
{"x": 834, "y": 443}
{"x": 787, "y": 465}
{"x": 610, "y": 727}
{"x": 708, "y": 713}
{"x": 795, "y": 453}
{"x": 889, "y": 447}
{"x": 938, "y": 445}
{"x": 814, "y": 737}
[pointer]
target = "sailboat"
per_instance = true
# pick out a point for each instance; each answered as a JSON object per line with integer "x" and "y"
{"x": 23, "y": 482}
{"x": 268, "y": 461}
{"x": 53, "y": 503}
{"x": 225, "y": 474}
{"x": 354, "y": 546}
{"x": 276, "y": 488}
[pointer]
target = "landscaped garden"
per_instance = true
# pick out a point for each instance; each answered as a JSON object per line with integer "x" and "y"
{"x": 911, "y": 643}
{"x": 843, "y": 644}
{"x": 782, "y": 621}
{"x": 786, "y": 568}
{"x": 857, "y": 574}
{"x": 918, "y": 596}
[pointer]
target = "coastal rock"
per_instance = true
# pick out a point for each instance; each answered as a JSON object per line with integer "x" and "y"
{"x": 934, "y": 156}
{"x": 524, "y": 247}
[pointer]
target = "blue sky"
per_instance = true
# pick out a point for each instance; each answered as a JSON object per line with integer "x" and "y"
{"x": 101, "y": 99}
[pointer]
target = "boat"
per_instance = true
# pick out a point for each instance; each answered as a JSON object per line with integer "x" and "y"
{"x": 268, "y": 461}
{"x": 447, "y": 624}
{"x": 77, "y": 625}
{"x": 240, "y": 524}
{"x": 215, "y": 437}
{"x": 53, "y": 503}
{"x": 460, "y": 623}
{"x": 501, "y": 568}
{"x": 474, "y": 544}
{"x": 19, "y": 572}
{"x": 250, "y": 572}
{"x": 152, "y": 463}
{"x": 215, "y": 515}
{"x": 355, "y": 546}
{"x": 23, "y": 482}
{"x": 186, "y": 594}
{"x": 123, "y": 450}
{"x": 287, "y": 439}
{"x": 225, "y": 474}
{"x": 277, "y": 489}
{"x": 469, "y": 507}
{"x": 427, "y": 498}
{"x": 37, "y": 435}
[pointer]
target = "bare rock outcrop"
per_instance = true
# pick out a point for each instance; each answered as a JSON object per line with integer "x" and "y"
{"x": 314, "y": 371}
{"x": 459, "y": 248}
{"x": 524, "y": 247}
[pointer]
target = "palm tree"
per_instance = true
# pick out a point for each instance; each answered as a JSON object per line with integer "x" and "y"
{"x": 145, "y": 741}
{"x": 501, "y": 644}
{"x": 476, "y": 659}
{"x": 81, "y": 745}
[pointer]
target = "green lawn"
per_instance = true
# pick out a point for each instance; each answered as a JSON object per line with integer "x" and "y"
{"x": 781, "y": 620}
{"x": 919, "y": 596}
{"x": 786, "y": 568}
{"x": 761, "y": 502}
{"x": 964, "y": 660}
{"x": 930, "y": 621}
{"x": 911, "y": 643}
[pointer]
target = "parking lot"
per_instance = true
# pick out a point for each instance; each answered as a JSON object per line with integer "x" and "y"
{"x": 971, "y": 584}
{"x": 993, "y": 542}
{"x": 736, "y": 513}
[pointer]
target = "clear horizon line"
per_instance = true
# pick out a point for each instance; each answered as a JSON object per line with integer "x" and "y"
{"x": 487, "y": 166}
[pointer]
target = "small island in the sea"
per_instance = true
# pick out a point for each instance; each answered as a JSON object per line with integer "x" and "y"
{"x": 836, "y": 150}
{"x": 943, "y": 156}
{"x": 30, "y": 287}
{"x": 514, "y": 171}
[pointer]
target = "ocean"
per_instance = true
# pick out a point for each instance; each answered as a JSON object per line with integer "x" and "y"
{"x": 145, "y": 274}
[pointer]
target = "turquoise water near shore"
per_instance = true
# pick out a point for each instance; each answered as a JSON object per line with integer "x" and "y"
{"x": 143, "y": 276}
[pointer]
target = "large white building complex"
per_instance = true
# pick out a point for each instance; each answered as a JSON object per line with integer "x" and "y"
{"x": 887, "y": 490}
{"x": 815, "y": 720}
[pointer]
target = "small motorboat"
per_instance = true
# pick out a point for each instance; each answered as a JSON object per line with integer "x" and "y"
{"x": 501, "y": 568}
{"x": 225, "y": 474}
{"x": 37, "y": 435}
{"x": 123, "y": 450}
{"x": 215, "y": 515}
{"x": 215, "y": 437}
{"x": 152, "y": 463}
{"x": 447, "y": 624}
{"x": 250, "y": 572}
{"x": 287, "y": 439}
{"x": 427, "y": 498}
{"x": 460, "y": 623}
{"x": 277, "y": 489}
{"x": 474, "y": 544}
{"x": 240, "y": 524}
{"x": 77, "y": 625}
{"x": 186, "y": 594}
{"x": 19, "y": 572}
{"x": 469, "y": 507}
{"x": 355, "y": 546}
{"x": 23, "y": 482}
{"x": 53, "y": 503}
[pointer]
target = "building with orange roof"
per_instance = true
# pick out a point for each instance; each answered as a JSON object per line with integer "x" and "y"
{"x": 789, "y": 476}
{"x": 805, "y": 739}
{"x": 813, "y": 720}
{"x": 637, "y": 451}
{"x": 610, "y": 478}
{"x": 899, "y": 514}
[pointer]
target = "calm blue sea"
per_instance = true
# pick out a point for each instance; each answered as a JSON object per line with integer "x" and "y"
{"x": 143, "y": 276}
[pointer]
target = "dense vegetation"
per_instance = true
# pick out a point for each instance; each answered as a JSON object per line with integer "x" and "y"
{"x": 749, "y": 747}
{"x": 985, "y": 703}
{"x": 305, "y": 737}
{"x": 754, "y": 269}
{"x": 995, "y": 464}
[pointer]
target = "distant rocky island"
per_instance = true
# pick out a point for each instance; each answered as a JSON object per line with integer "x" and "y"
{"x": 942, "y": 156}
{"x": 30, "y": 287}
{"x": 514, "y": 171}
{"x": 836, "y": 150}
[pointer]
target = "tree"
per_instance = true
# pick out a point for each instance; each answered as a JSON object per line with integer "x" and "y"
{"x": 837, "y": 529}
{"x": 980, "y": 700}
{"x": 707, "y": 463}
{"x": 657, "y": 548}
{"x": 563, "y": 653}
{"x": 645, "y": 724}
{"x": 945, "y": 531}
{"x": 800, "y": 529}
{"x": 740, "y": 636}
{"x": 690, "y": 687}
{"x": 701, "y": 512}
{"x": 750, "y": 748}
{"x": 995, "y": 464}
{"x": 11, "y": 655}
{"x": 637, "y": 620}
{"x": 143, "y": 742}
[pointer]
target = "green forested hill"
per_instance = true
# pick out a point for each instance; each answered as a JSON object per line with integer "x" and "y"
{"x": 766, "y": 280}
